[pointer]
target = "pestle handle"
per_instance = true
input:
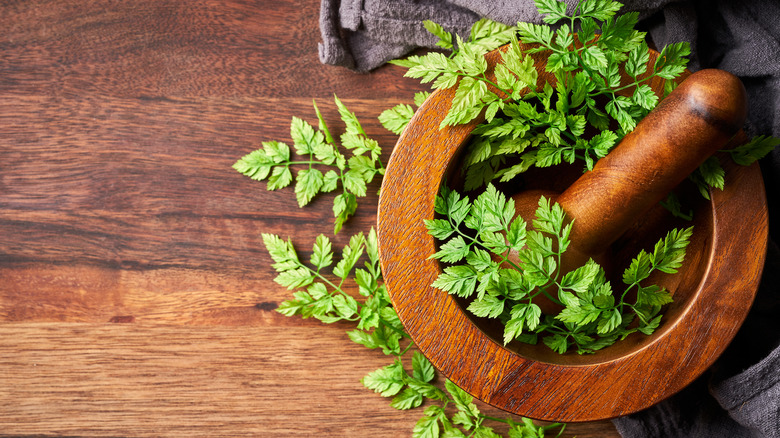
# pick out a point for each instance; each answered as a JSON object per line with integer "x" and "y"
{"x": 687, "y": 127}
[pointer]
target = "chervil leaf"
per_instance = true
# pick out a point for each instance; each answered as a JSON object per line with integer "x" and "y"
{"x": 322, "y": 254}
{"x": 407, "y": 399}
{"x": 534, "y": 33}
{"x": 386, "y": 381}
{"x": 445, "y": 38}
{"x": 599, "y": 9}
{"x": 349, "y": 118}
{"x": 295, "y": 278}
{"x": 640, "y": 268}
{"x": 422, "y": 367}
{"x": 256, "y": 165}
{"x": 638, "y": 59}
{"x": 350, "y": 255}
{"x": 552, "y": 10}
{"x": 454, "y": 250}
{"x": 460, "y": 280}
{"x": 645, "y": 97}
{"x": 308, "y": 183}
{"x": 758, "y": 147}
{"x": 304, "y": 136}
{"x": 672, "y": 62}
{"x": 396, "y": 118}
{"x": 653, "y": 296}
{"x": 439, "y": 228}
{"x": 580, "y": 279}
{"x": 426, "y": 427}
{"x": 669, "y": 252}
{"x": 489, "y": 306}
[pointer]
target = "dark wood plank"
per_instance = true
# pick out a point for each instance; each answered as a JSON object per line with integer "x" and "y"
{"x": 135, "y": 293}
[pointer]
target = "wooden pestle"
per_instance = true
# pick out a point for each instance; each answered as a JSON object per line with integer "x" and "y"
{"x": 687, "y": 127}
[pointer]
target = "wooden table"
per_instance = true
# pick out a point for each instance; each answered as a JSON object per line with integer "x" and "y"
{"x": 136, "y": 295}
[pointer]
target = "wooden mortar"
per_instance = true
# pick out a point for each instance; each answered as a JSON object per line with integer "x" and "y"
{"x": 713, "y": 290}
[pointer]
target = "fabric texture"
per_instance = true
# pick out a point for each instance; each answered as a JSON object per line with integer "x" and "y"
{"x": 740, "y": 395}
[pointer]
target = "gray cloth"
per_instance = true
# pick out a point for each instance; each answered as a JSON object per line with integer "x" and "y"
{"x": 740, "y": 395}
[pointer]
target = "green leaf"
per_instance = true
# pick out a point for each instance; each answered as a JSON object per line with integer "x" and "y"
{"x": 349, "y": 118}
{"x": 513, "y": 328}
{"x": 344, "y": 206}
{"x": 322, "y": 255}
{"x": 322, "y": 125}
{"x": 345, "y": 306}
{"x": 534, "y": 33}
{"x": 669, "y": 252}
{"x": 618, "y": 34}
{"x": 281, "y": 251}
{"x": 439, "y": 228}
{"x": 463, "y": 401}
{"x": 280, "y": 177}
{"x": 396, "y": 118}
{"x": 609, "y": 321}
{"x": 445, "y": 38}
{"x": 599, "y": 9}
{"x": 653, "y": 296}
{"x": 645, "y": 97}
{"x": 454, "y": 250}
{"x": 407, "y": 399}
{"x": 353, "y": 181}
{"x": 595, "y": 58}
{"x": 552, "y": 10}
{"x": 639, "y": 269}
{"x": 308, "y": 183}
{"x": 420, "y": 97}
{"x": 256, "y": 165}
{"x": 557, "y": 343}
{"x": 488, "y": 307}
{"x": 712, "y": 173}
{"x": 330, "y": 181}
{"x": 386, "y": 381}
{"x": 426, "y": 427}
{"x": 516, "y": 236}
{"x": 422, "y": 368}
{"x": 460, "y": 280}
{"x": 295, "y": 278}
{"x": 758, "y": 147}
{"x": 549, "y": 217}
{"x": 672, "y": 62}
{"x": 580, "y": 279}
{"x": 304, "y": 136}
{"x": 350, "y": 256}
{"x": 480, "y": 260}
{"x": 488, "y": 34}
{"x": 638, "y": 58}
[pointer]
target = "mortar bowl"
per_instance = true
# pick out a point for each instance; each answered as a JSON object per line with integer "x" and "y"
{"x": 713, "y": 291}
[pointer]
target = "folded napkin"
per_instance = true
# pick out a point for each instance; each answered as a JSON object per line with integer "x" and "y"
{"x": 740, "y": 395}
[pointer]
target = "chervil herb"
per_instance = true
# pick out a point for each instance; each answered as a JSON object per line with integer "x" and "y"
{"x": 528, "y": 124}
{"x": 324, "y": 295}
{"x": 504, "y": 267}
{"x": 580, "y": 112}
{"x": 316, "y": 150}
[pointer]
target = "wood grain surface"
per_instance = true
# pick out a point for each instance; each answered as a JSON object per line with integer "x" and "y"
{"x": 136, "y": 297}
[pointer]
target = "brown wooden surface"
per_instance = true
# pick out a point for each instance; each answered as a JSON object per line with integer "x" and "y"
{"x": 135, "y": 294}
{"x": 713, "y": 290}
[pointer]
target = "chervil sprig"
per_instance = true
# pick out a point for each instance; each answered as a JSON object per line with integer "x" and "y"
{"x": 323, "y": 295}
{"x": 528, "y": 123}
{"x": 317, "y": 150}
{"x": 504, "y": 267}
